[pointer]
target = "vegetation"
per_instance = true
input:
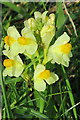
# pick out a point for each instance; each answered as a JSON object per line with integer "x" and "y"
{"x": 60, "y": 100}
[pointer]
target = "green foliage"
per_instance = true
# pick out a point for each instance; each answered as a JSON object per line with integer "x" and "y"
{"x": 60, "y": 15}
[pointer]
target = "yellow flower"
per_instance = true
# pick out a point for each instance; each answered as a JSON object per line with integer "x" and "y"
{"x": 42, "y": 16}
{"x": 41, "y": 75}
{"x": 20, "y": 44}
{"x": 14, "y": 66}
{"x": 47, "y": 33}
{"x": 31, "y": 24}
{"x": 51, "y": 19}
{"x": 37, "y": 23}
{"x": 45, "y": 19}
{"x": 12, "y": 36}
{"x": 60, "y": 51}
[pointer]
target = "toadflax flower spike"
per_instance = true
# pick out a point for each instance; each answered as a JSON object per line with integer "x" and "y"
{"x": 60, "y": 51}
{"x": 14, "y": 66}
{"x": 41, "y": 75}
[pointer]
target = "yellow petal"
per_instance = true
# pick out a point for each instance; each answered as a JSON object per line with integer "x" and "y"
{"x": 47, "y": 33}
{"x": 8, "y": 63}
{"x": 31, "y": 49}
{"x": 63, "y": 39}
{"x": 52, "y": 79}
{"x": 26, "y": 33}
{"x": 44, "y": 17}
{"x": 37, "y": 14}
{"x": 40, "y": 68}
{"x": 66, "y": 57}
{"x": 44, "y": 75}
{"x": 12, "y": 32}
{"x": 14, "y": 69}
{"x": 15, "y": 49}
{"x": 66, "y": 48}
{"x": 51, "y": 19}
{"x": 24, "y": 41}
{"x": 9, "y": 40}
{"x": 39, "y": 84}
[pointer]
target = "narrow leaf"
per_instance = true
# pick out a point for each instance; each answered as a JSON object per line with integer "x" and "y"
{"x": 60, "y": 15}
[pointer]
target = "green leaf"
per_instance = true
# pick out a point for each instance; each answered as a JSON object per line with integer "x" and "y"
{"x": 30, "y": 111}
{"x": 38, "y": 114}
{"x": 51, "y": 109}
{"x": 42, "y": 103}
{"x": 60, "y": 15}
{"x": 37, "y": 102}
{"x": 12, "y": 6}
{"x": 13, "y": 80}
{"x": 30, "y": 64}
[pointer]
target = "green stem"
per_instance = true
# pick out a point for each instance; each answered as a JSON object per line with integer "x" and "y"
{"x": 29, "y": 65}
{"x": 38, "y": 56}
{"x": 4, "y": 95}
{"x": 45, "y": 57}
{"x": 44, "y": 6}
{"x": 34, "y": 64}
{"x": 61, "y": 99}
{"x": 70, "y": 93}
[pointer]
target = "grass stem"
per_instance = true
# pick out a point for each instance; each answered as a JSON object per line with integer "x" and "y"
{"x": 70, "y": 93}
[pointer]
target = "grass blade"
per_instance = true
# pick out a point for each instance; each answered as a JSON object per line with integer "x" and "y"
{"x": 12, "y": 6}
{"x": 4, "y": 94}
{"x": 61, "y": 99}
{"x": 70, "y": 93}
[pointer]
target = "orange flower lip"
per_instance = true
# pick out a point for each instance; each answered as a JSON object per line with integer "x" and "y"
{"x": 24, "y": 41}
{"x": 9, "y": 40}
{"x": 8, "y": 63}
{"x": 45, "y": 74}
{"x": 66, "y": 48}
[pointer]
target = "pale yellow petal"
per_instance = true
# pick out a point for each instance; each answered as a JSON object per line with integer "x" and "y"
{"x": 44, "y": 16}
{"x": 39, "y": 84}
{"x": 15, "y": 49}
{"x": 47, "y": 33}
{"x": 37, "y": 15}
{"x": 7, "y": 72}
{"x": 52, "y": 79}
{"x": 12, "y": 32}
{"x": 15, "y": 70}
{"x": 26, "y": 23}
{"x": 40, "y": 68}
{"x": 50, "y": 53}
{"x": 63, "y": 39}
{"x": 70, "y": 54}
{"x": 31, "y": 49}
{"x": 17, "y": 58}
{"x": 66, "y": 57}
{"x": 51, "y": 19}
{"x": 57, "y": 58}
{"x": 28, "y": 55}
{"x": 55, "y": 55}
{"x": 28, "y": 34}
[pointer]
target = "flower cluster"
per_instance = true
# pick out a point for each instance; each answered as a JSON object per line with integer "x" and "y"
{"x": 38, "y": 30}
